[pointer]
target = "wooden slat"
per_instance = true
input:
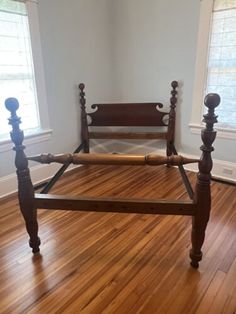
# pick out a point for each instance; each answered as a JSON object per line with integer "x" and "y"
{"x": 128, "y": 135}
{"x": 138, "y": 206}
{"x": 146, "y": 114}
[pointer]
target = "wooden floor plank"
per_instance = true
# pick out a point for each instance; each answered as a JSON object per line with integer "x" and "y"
{"x": 119, "y": 263}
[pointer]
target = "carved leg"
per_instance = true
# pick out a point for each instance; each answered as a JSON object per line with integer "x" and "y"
{"x": 199, "y": 223}
{"x": 28, "y": 210}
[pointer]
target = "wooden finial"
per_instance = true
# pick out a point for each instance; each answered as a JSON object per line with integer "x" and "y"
{"x": 84, "y": 122}
{"x": 173, "y": 100}
{"x": 81, "y": 86}
{"x": 209, "y": 134}
{"x": 172, "y": 115}
{"x": 16, "y": 134}
{"x": 12, "y": 105}
{"x": 82, "y": 97}
{"x": 211, "y": 102}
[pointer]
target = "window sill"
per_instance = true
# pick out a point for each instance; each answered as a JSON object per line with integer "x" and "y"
{"x": 221, "y": 133}
{"x": 30, "y": 139}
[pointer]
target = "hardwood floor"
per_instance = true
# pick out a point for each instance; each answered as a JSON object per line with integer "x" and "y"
{"x": 119, "y": 263}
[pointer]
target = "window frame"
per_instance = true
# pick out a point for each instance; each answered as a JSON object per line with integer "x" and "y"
{"x": 203, "y": 43}
{"x": 44, "y": 132}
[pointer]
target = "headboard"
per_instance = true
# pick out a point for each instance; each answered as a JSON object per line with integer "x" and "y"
{"x": 128, "y": 114}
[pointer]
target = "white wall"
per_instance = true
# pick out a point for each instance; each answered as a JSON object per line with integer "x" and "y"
{"x": 75, "y": 38}
{"x": 123, "y": 50}
{"x": 155, "y": 42}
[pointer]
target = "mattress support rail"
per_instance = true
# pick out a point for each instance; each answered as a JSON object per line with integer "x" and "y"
{"x": 116, "y": 205}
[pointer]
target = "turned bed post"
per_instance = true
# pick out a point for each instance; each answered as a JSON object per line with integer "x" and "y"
{"x": 25, "y": 187}
{"x": 172, "y": 116}
{"x": 84, "y": 122}
{"x": 202, "y": 190}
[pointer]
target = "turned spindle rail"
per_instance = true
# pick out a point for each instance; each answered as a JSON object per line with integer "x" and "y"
{"x": 112, "y": 159}
{"x": 198, "y": 207}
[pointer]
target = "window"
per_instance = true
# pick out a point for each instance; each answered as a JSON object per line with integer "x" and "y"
{"x": 19, "y": 75}
{"x": 216, "y": 63}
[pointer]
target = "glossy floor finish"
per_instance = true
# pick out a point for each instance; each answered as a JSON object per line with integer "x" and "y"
{"x": 119, "y": 263}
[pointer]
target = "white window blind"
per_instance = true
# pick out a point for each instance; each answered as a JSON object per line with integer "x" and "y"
{"x": 222, "y": 61}
{"x": 16, "y": 66}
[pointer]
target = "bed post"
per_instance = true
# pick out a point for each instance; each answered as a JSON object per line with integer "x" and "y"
{"x": 202, "y": 190}
{"x": 25, "y": 187}
{"x": 171, "y": 124}
{"x": 84, "y": 122}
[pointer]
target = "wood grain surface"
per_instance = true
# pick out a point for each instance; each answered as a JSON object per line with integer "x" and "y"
{"x": 119, "y": 263}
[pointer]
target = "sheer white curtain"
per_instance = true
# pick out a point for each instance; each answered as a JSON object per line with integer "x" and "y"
{"x": 222, "y": 61}
{"x": 16, "y": 65}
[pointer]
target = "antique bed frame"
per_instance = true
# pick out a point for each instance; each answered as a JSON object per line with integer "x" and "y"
{"x": 136, "y": 114}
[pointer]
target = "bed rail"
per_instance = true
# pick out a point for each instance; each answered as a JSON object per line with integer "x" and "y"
{"x": 113, "y": 159}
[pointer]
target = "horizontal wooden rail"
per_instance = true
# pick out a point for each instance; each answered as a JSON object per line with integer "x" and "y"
{"x": 113, "y": 159}
{"x": 128, "y": 135}
{"x": 139, "y": 206}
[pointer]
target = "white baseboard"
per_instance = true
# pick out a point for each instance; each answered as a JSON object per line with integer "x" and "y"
{"x": 40, "y": 173}
{"x": 223, "y": 170}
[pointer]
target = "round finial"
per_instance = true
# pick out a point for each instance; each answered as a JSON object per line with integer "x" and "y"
{"x": 81, "y": 86}
{"x": 11, "y": 104}
{"x": 211, "y": 101}
{"x": 174, "y": 84}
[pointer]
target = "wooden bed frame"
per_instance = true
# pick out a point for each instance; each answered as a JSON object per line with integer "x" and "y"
{"x": 136, "y": 114}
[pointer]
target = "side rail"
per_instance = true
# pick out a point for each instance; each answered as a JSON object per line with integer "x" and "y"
{"x": 113, "y": 159}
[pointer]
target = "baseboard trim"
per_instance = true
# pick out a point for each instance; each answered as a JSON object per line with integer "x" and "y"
{"x": 39, "y": 174}
{"x": 222, "y": 170}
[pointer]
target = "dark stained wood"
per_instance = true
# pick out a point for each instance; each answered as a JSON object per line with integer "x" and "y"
{"x": 172, "y": 118}
{"x": 116, "y": 205}
{"x": 127, "y": 114}
{"x": 199, "y": 207}
{"x": 112, "y": 159}
{"x": 202, "y": 189}
{"x": 128, "y": 135}
{"x": 25, "y": 186}
{"x": 84, "y": 122}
